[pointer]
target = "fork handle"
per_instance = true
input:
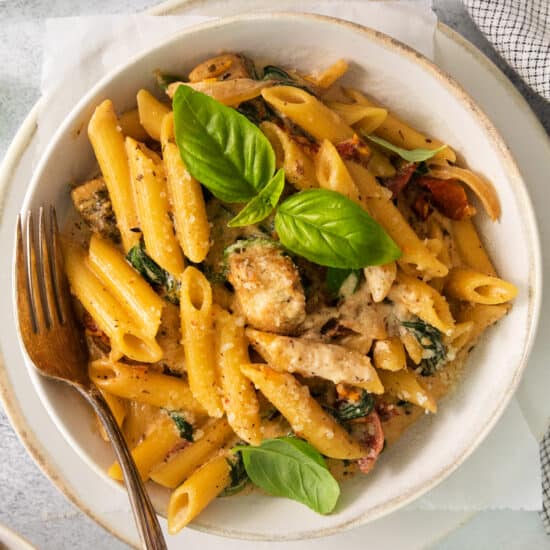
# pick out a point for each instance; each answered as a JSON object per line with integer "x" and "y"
{"x": 147, "y": 523}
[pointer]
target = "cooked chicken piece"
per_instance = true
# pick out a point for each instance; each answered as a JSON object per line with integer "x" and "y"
{"x": 92, "y": 201}
{"x": 267, "y": 286}
{"x": 223, "y": 67}
{"x": 309, "y": 358}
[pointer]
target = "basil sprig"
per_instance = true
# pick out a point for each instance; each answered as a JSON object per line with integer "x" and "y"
{"x": 329, "y": 229}
{"x": 262, "y": 204}
{"x": 412, "y": 155}
{"x": 292, "y": 468}
{"x": 230, "y": 156}
{"x": 220, "y": 147}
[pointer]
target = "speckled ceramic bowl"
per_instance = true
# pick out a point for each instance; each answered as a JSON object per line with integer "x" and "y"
{"x": 423, "y": 95}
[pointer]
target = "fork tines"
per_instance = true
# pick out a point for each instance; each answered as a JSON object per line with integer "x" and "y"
{"x": 39, "y": 272}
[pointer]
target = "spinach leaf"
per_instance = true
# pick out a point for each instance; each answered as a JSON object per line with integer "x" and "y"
{"x": 238, "y": 475}
{"x": 220, "y": 147}
{"x": 262, "y": 204}
{"x": 414, "y": 155}
{"x": 155, "y": 275}
{"x": 431, "y": 340}
{"x": 185, "y": 429}
{"x": 272, "y": 72}
{"x": 343, "y": 282}
{"x": 290, "y": 467}
{"x": 165, "y": 79}
{"x": 256, "y": 110}
{"x": 349, "y": 410}
{"x": 329, "y": 229}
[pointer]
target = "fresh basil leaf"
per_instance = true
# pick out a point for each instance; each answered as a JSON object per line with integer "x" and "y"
{"x": 292, "y": 468}
{"x": 220, "y": 147}
{"x": 329, "y": 229}
{"x": 337, "y": 281}
{"x": 413, "y": 155}
{"x": 262, "y": 204}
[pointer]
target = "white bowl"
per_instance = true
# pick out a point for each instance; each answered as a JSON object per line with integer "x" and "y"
{"x": 422, "y": 94}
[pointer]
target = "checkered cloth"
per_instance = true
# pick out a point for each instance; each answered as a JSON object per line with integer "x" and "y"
{"x": 545, "y": 464}
{"x": 520, "y": 31}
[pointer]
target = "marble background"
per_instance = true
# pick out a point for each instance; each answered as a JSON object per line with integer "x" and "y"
{"x": 29, "y": 503}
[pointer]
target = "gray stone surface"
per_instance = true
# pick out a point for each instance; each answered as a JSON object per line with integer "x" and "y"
{"x": 29, "y": 503}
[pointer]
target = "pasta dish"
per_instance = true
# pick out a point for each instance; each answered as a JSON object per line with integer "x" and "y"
{"x": 276, "y": 277}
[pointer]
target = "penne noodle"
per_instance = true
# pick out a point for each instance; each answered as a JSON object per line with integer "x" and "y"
{"x": 397, "y": 132}
{"x": 423, "y": 301}
{"x": 186, "y": 198}
{"x": 239, "y": 398}
{"x": 299, "y": 167}
{"x": 131, "y": 126}
{"x": 151, "y": 450}
{"x": 472, "y": 286}
{"x": 107, "y": 141}
{"x": 126, "y": 336}
{"x": 304, "y": 414}
{"x": 405, "y": 385}
{"x": 194, "y": 495}
{"x": 389, "y": 354}
{"x": 149, "y": 184}
{"x": 308, "y": 112}
{"x": 144, "y": 384}
{"x": 126, "y": 285}
{"x": 151, "y": 112}
{"x": 199, "y": 340}
{"x": 182, "y": 464}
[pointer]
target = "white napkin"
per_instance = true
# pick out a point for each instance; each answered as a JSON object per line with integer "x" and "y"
{"x": 504, "y": 472}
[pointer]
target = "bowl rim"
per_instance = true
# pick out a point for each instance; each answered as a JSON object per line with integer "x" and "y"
{"x": 517, "y": 184}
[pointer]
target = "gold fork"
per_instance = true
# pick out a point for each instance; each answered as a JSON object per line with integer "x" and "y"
{"x": 56, "y": 346}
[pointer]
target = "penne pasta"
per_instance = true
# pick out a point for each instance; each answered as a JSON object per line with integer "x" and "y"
{"x": 397, "y": 132}
{"x": 380, "y": 279}
{"x": 151, "y": 112}
{"x": 186, "y": 198}
{"x": 469, "y": 246}
{"x": 145, "y": 385}
{"x": 329, "y": 76}
{"x": 182, "y": 464}
{"x": 389, "y": 354}
{"x": 308, "y": 112}
{"x": 472, "y": 286}
{"x": 126, "y": 285}
{"x": 194, "y": 495}
{"x": 199, "y": 340}
{"x": 299, "y": 167}
{"x": 151, "y": 450}
{"x": 405, "y": 385}
{"x": 424, "y": 301}
{"x": 126, "y": 336}
{"x": 239, "y": 398}
{"x": 107, "y": 141}
{"x": 131, "y": 126}
{"x": 149, "y": 184}
{"x": 305, "y": 415}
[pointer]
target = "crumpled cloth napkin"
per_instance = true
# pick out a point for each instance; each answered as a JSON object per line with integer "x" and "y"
{"x": 520, "y": 31}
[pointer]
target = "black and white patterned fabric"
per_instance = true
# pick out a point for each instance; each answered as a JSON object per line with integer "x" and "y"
{"x": 520, "y": 31}
{"x": 545, "y": 464}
